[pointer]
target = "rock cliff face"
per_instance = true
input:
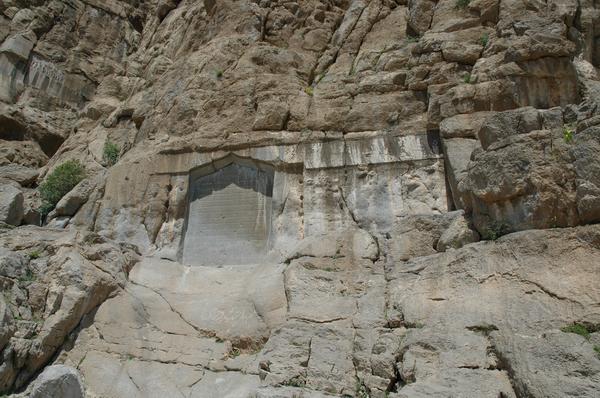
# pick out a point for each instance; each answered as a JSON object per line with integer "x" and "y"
{"x": 361, "y": 198}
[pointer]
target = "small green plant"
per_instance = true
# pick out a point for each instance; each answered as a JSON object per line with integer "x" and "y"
{"x": 577, "y": 328}
{"x": 4, "y": 226}
{"x": 597, "y": 349}
{"x": 353, "y": 69}
{"x": 484, "y": 40}
{"x": 495, "y": 230}
{"x": 295, "y": 382}
{"x": 218, "y": 73}
{"x": 467, "y": 78}
{"x": 35, "y": 254}
{"x": 59, "y": 183}
{"x": 309, "y": 90}
{"x": 361, "y": 390}
{"x": 568, "y": 132}
{"x": 235, "y": 352}
{"x": 28, "y": 277}
{"x": 110, "y": 153}
{"x": 412, "y": 39}
{"x": 483, "y": 328}
{"x": 462, "y": 4}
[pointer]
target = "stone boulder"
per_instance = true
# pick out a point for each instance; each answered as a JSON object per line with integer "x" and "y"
{"x": 11, "y": 204}
{"x": 24, "y": 176}
{"x": 77, "y": 197}
{"x": 458, "y": 234}
{"x": 58, "y": 381}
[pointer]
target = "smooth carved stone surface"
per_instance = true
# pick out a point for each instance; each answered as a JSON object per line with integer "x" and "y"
{"x": 229, "y": 217}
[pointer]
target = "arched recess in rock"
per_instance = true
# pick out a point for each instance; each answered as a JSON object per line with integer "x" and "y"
{"x": 228, "y": 216}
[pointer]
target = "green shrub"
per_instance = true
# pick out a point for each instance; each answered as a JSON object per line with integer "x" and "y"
{"x": 495, "y": 230}
{"x": 597, "y": 349}
{"x": 577, "y": 328}
{"x": 412, "y": 39}
{"x": 35, "y": 254}
{"x": 568, "y": 133}
{"x": 467, "y": 78}
{"x": 28, "y": 277}
{"x": 484, "y": 40}
{"x": 110, "y": 153}
{"x": 59, "y": 183}
{"x": 309, "y": 90}
{"x": 462, "y": 3}
{"x": 218, "y": 73}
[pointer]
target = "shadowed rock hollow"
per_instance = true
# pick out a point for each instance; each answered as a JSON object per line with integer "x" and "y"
{"x": 351, "y": 198}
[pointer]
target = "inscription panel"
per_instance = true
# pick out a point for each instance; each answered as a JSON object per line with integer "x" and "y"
{"x": 229, "y": 217}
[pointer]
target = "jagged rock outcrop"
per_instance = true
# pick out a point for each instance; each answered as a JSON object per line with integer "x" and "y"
{"x": 51, "y": 279}
{"x": 347, "y": 155}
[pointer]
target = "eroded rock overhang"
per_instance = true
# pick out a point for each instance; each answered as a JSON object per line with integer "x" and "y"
{"x": 317, "y": 188}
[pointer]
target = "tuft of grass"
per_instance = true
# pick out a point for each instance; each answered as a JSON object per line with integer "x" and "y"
{"x": 59, "y": 183}
{"x": 577, "y": 328}
{"x": 495, "y": 230}
{"x": 35, "y": 254}
{"x": 361, "y": 390}
{"x": 110, "y": 153}
{"x": 218, "y": 73}
{"x": 568, "y": 132}
{"x": 412, "y": 39}
{"x": 462, "y": 4}
{"x": 28, "y": 277}
{"x": 416, "y": 325}
{"x": 4, "y": 225}
{"x": 597, "y": 349}
{"x": 467, "y": 78}
{"x": 483, "y": 328}
{"x": 309, "y": 90}
{"x": 484, "y": 40}
{"x": 235, "y": 352}
{"x": 295, "y": 382}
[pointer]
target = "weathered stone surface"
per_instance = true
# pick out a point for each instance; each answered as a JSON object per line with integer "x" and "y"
{"x": 11, "y": 204}
{"x": 58, "y": 381}
{"x": 77, "y": 197}
{"x": 553, "y": 364}
{"x": 458, "y": 153}
{"x": 377, "y": 119}
{"x": 51, "y": 280}
{"x": 458, "y": 234}
{"x": 24, "y": 176}
{"x": 510, "y": 294}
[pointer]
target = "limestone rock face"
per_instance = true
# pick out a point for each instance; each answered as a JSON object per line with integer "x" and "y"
{"x": 51, "y": 280}
{"x": 58, "y": 381}
{"x": 11, "y": 204}
{"x": 359, "y": 198}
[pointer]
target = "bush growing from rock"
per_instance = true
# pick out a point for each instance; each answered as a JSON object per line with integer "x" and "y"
{"x": 462, "y": 3}
{"x": 568, "y": 133}
{"x": 59, "y": 183}
{"x": 110, "y": 153}
{"x": 577, "y": 328}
